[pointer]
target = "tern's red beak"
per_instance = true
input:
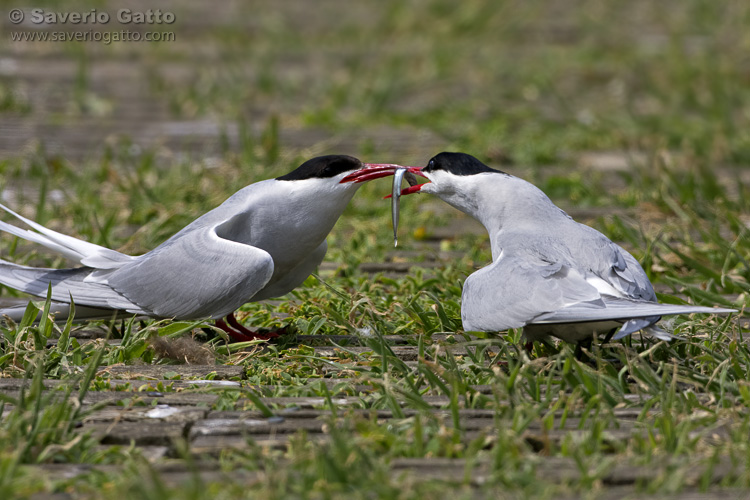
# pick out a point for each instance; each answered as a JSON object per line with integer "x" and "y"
{"x": 370, "y": 171}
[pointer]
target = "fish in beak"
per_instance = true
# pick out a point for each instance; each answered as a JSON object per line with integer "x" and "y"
{"x": 372, "y": 171}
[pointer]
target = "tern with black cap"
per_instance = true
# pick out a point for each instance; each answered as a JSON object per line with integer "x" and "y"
{"x": 549, "y": 274}
{"x": 262, "y": 242}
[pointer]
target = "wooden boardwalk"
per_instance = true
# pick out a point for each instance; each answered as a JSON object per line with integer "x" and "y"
{"x": 166, "y": 409}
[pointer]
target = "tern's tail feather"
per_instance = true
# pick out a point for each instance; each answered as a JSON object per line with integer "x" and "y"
{"x": 80, "y": 251}
{"x": 621, "y": 309}
{"x": 65, "y": 283}
{"x": 645, "y": 325}
{"x": 15, "y": 309}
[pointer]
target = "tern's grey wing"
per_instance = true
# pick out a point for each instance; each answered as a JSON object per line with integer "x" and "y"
{"x": 628, "y": 276}
{"x": 615, "y": 308}
{"x": 513, "y": 291}
{"x": 598, "y": 254}
{"x": 293, "y": 278}
{"x": 196, "y": 275}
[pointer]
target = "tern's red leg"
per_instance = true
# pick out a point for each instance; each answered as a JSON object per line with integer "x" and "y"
{"x": 529, "y": 346}
{"x": 234, "y": 334}
{"x": 249, "y": 333}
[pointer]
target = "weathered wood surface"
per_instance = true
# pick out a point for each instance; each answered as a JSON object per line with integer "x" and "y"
{"x": 159, "y": 423}
{"x": 621, "y": 479}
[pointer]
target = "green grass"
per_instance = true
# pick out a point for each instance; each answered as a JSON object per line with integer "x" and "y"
{"x": 528, "y": 87}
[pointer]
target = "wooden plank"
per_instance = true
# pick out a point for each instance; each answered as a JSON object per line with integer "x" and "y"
{"x": 151, "y": 398}
{"x": 162, "y": 412}
{"x": 625, "y": 417}
{"x": 564, "y": 469}
{"x": 457, "y": 471}
{"x": 300, "y": 412}
{"x": 340, "y": 401}
{"x": 152, "y": 385}
{"x": 404, "y": 353}
{"x": 443, "y": 469}
{"x": 15, "y": 384}
{"x": 160, "y": 372}
{"x": 142, "y": 433}
{"x": 245, "y": 426}
{"x": 189, "y": 477}
{"x": 474, "y": 424}
{"x": 215, "y": 445}
{"x": 352, "y": 339}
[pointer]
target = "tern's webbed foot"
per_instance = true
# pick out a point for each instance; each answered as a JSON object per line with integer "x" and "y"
{"x": 239, "y": 333}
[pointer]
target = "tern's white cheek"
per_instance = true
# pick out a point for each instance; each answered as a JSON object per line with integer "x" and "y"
{"x": 428, "y": 187}
{"x": 457, "y": 191}
{"x": 442, "y": 189}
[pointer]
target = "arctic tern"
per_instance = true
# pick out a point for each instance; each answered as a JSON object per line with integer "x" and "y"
{"x": 549, "y": 274}
{"x": 262, "y": 242}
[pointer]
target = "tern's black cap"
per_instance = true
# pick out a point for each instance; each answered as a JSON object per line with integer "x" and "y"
{"x": 322, "y": 167}
{"x": 458, "y": 164}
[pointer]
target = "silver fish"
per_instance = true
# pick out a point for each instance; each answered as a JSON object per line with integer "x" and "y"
{"x": 395, "y": 197}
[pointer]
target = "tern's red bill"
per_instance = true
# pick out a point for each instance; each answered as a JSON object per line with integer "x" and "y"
{"x": 370, "y": 171}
